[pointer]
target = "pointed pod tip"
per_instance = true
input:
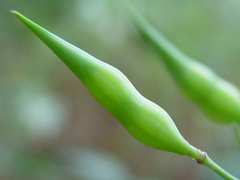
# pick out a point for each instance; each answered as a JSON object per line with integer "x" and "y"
{"x": 14, "y": 12}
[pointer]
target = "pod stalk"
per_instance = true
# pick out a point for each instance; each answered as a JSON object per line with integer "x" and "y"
{"x": 202, "y": 158}
{"x": 208, "y": 162}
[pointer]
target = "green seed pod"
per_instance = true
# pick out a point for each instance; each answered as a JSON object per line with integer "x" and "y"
{"x": 216, "y": 97}
{"x": 145, "y": 120}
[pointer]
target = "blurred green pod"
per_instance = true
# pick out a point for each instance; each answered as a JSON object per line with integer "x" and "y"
{"x": 145, "y": 120}
{"x": 219, "y": 99}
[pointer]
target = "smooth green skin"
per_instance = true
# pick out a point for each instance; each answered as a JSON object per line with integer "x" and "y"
{"x": 145, "y": 120}
{"x": 215, "y": 96}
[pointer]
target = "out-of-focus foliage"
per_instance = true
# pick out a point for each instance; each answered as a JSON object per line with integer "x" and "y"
{"x": 47, "y": 118}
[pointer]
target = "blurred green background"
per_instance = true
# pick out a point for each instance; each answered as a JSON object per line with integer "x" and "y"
{"x": 51, "y": 128}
